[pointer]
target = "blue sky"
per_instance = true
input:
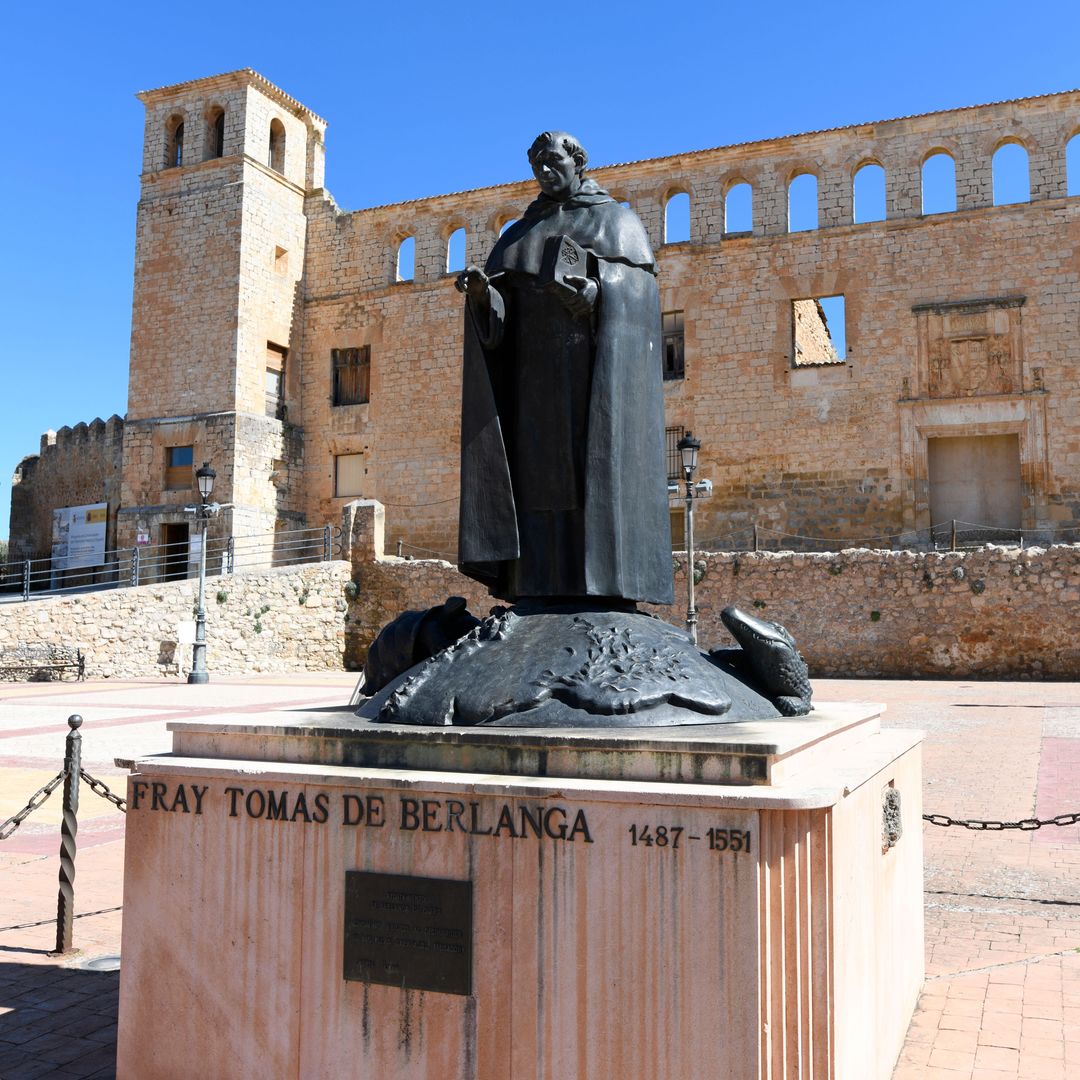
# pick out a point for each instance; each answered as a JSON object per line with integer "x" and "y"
{"x": 424, "y": 98}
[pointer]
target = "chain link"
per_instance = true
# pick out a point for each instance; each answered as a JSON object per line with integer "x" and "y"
{"x": 1024, "y": 824}
{"x": 99, "y": 787}
{"x": 32, "y": 804}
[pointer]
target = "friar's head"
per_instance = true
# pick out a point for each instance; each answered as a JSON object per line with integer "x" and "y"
{"x": 558, "y": 162}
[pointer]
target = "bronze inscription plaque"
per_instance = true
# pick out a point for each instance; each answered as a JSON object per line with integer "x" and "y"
{"x": 410, "y": 932}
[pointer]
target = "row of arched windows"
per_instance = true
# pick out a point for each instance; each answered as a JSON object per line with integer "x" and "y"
{"x": 1010, "y": 176}
{"x": 1010, "y": 179}
{"x": 405, "y": 267}
{"x": 214, "y": 140}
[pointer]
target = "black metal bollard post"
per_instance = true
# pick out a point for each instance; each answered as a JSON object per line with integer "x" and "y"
{"x": 65, "y": 903}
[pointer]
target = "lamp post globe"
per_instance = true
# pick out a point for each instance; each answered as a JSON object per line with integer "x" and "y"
{"x": 205, "y": 478}
{"x": 688, "y": 448}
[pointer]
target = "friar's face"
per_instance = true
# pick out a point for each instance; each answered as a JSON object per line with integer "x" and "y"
{"x": 557, "y": 173}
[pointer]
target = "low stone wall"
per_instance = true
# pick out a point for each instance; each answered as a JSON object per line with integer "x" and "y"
{"x": 278, "y": 620}
{"x": 991, "y": 613}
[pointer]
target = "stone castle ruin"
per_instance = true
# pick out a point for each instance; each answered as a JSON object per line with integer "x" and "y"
{"x": 312, "y": 355}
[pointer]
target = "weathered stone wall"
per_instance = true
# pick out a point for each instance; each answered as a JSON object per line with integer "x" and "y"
{"x": 280, "y": 620}
{"x": 835, "y": 451}
{"x": 991, "y": 614}
{"x": 75, "y": 467}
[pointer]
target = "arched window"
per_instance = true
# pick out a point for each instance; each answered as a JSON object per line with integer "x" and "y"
{"x": 677, "y": 218}
{"x": 939, "y": 183}
{"x": 174, "y": 142}
{"x": 506, "y": 225}
{"x": 406, "y": 259}
{"x": 802, "y": 209}
{"x": 276, "y": 159}
{"x": 739, "y": 208}
{"x": 1012, "y": 181}
{"x": 215, "y": 134}
{"x": 455, "y": 251}
{"x": 868, "y": 193}
{"x": 1072, "y": 165}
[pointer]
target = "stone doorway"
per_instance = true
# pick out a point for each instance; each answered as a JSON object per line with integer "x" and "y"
{"x": 176, "y": 542}
{"x": 975, "y": 480}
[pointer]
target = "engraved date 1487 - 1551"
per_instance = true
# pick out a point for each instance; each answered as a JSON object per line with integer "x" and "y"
{"x": 670, "y": 836}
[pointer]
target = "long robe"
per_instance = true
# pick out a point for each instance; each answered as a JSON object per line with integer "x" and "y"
{"x": 563, "y": 475}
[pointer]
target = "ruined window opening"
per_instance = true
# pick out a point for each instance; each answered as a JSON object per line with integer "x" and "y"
{"x": 351, "y": 375}
{"x": 215, "y": 134}
{"x": 281, "y": 260}
{"x": 1012, "y": 181}
{"x": 868, "y": 193}
{"x": 506, "y": 225}
{"x": 673, "y": 347}
{"x": 179, "y": 463}
{"x": 818, "y": 331}
{"x": 1072, "y": 165}
{"x": 174, "y": 143}
{"x": 677, "y": 218}
{"x": 455, "y": 251}
{"x": 803, "y": 203}
{"x": 276, "y": 156}
{"x": 348, "y": 475}
{"x": 674, "y": 458}
{"x": 739, "y": 209}
{"x": 939, "y": 184}
{"x": 406, "y": 259}
{"x": 275, "y": 380}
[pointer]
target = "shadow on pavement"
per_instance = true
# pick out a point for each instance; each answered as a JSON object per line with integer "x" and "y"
{"x": 57, "y": 1021}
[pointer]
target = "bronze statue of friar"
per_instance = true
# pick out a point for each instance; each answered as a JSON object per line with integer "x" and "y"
{"x": 563, "y": 504}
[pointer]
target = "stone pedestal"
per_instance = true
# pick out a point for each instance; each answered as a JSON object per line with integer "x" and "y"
{"x": 713, "y": 902}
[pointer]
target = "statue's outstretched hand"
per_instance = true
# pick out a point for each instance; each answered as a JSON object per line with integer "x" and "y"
{"x": 473, "y": 282}
{"x": 583, "y": 301}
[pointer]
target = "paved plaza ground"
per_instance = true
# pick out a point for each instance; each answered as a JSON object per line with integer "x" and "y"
{"x": 1002, "y": 995}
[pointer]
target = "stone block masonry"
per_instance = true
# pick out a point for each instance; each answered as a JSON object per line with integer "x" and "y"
{"x": 280, "y": 620}
{"x": 987, "y": 614}
{"x": 993, "y": 613}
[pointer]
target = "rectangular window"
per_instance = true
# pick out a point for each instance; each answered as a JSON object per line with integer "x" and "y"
{"x": 678, "y": 528}
{"x": 674, "y": 458}
{"x": 348, "y": 475}
{"x": 275, "y": 380}
{"x": 179, "y": 463}
{"x": 673, "y": 345}
{"x": 818, "y": 333}
{"x": 352, "y": 375}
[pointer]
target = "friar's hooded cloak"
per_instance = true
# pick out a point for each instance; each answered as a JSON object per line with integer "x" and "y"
{"x": 625, "y": 541}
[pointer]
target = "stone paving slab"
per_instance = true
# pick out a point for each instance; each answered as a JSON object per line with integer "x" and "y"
{"x": 1002, "y": 996}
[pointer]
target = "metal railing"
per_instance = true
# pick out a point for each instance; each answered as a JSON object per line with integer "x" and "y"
{"x": 952, "y": 535}
{"x": 70, "y": 776}
{"x": 146, "y": 564}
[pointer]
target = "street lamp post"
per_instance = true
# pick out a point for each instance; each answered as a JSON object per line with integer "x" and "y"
{"x": 203, "y": 512}
{"x": 688, "y": 448}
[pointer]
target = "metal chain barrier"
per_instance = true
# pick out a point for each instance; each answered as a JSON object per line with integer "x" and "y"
{"x": 32, "y": 804}
{"x": 99, "y": 787}
{"x": 1025, "y": 824}
{"x": 70, "y": 776}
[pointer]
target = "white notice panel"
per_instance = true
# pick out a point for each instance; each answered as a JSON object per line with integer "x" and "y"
{"x": 79, "y": 536}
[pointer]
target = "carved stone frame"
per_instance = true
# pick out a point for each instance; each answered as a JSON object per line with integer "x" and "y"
{"x": 1022, "y": 413}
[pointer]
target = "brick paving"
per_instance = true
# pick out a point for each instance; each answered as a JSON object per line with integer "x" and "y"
{"x": 1002, "y": 995}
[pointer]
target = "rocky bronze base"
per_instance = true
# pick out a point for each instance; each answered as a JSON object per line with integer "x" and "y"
{"x": 568, "y": 667}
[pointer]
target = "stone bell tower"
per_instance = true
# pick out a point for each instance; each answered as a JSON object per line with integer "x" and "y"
{"x": 219, "y": 254}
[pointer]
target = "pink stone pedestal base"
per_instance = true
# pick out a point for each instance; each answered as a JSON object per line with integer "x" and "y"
{"x": 654, "y": 929}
